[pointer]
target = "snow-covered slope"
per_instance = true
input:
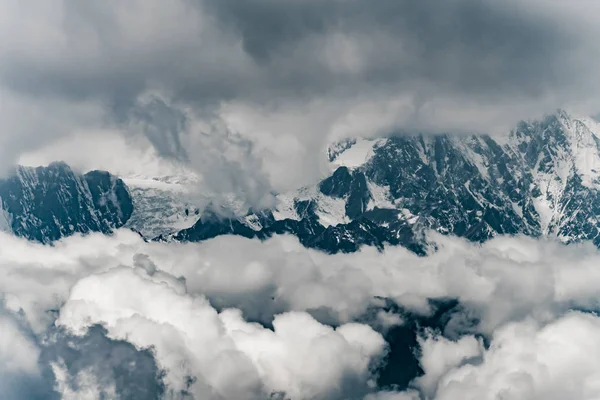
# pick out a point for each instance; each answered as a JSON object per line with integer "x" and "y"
{"x": 162, "y": 206}
{"x": 541, "y": 179}
{"x": 353, "y": 153}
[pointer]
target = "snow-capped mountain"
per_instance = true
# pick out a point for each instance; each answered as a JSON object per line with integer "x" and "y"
{"x": 541, "y": 179}
{"x": 47, "y": 203}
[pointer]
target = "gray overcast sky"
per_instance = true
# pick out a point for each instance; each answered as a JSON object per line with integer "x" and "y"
{"x": 271, "y": 50}
{"x": 286, "y": 77}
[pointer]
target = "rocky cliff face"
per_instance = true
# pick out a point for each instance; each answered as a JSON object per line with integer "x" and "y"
{"x": 47, "y": 203}
{"x": 541, "y": 179}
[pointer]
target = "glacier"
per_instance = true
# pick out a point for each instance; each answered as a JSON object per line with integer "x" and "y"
{"x": 541, "y": 179}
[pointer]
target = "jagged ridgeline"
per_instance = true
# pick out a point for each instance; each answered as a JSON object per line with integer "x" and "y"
{"x": 45, "y": 204}
{"x": 541, "y": 179}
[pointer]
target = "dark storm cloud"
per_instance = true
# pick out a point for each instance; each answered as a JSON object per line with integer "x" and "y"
{"x": 266, "y": 27}
{"x": 287, "y": 77}
{"x": 297, "y": 48}
{"x": 462, "y": 45}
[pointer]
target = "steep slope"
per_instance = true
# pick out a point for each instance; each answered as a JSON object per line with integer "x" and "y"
{"x": 161, "y": 205}
{"x": 541, "y": 179}
{"x": 563, "y": 155}
{"x": 47, "y": 203}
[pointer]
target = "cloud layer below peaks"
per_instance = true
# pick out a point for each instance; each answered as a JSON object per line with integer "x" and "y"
{"x": 274, "y": 317}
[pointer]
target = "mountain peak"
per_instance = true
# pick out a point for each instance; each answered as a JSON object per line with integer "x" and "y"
{"x": 542, "y": 180}
{"x": 47, "y": 203}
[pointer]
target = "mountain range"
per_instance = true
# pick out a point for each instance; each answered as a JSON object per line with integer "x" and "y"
{"x": 541, "y": 179}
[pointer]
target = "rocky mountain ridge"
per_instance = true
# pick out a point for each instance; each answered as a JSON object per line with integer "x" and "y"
{"x": 45, "y": 204}
{"x": 542, "y": 179}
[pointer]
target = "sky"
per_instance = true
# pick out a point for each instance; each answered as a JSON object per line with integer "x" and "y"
{"x": 244, "y": 96}
{"x": 244, "y": 93}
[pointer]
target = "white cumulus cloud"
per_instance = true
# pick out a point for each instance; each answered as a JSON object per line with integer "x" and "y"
{"x": 228, "y": 357}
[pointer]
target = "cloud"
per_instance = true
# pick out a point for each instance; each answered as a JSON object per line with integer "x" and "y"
{"x": 39, "y": 280}
{"x": 226, "y": 356}
{"x": 501, "y": 280}
{"x": 273, "y": 313}
{"x": 93, "y": 366}
{"x": 285, "y": 79}
{"x": 243, "y": 97}
{"x": 18, "y": 352}
{"x": 388, "y": 395}
{"x": 31, "y": 123}
{"x": 21, "y": 375}
{"x": 528, "y": 360}
{"x": 440, "y": 355}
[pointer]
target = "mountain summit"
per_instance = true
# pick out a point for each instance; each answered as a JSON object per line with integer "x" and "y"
{"x": 47, "y": 203}
{"x": 542, "y": 179}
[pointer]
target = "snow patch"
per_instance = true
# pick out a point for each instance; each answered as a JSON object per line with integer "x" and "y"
{"x": 466, "y": 148}
{"x": 5, "y": 220}
{"x": 357, "y": 154}
{"x": 544, "y": 210}
{"x": 331, "y": 211}
{"x": 380, "y": 196}
{"x": 410, "y": 217}
{"x": 253, "y": 222}
{"x": 285, "y": 208}
{"x": 583, "y": 136}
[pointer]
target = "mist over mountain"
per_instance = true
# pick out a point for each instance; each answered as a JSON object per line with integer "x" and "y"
{"x": 299, "y": 200}
{"x": 541, "y": 180}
